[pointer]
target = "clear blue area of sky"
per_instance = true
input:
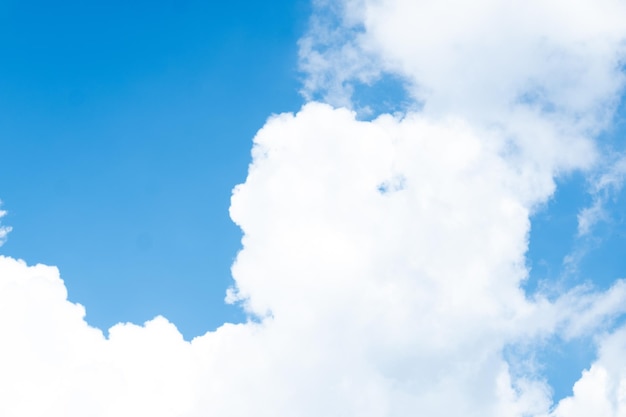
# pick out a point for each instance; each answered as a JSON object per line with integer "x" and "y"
{"x": 123, "y": 128}
{"x": 125, "y": 125}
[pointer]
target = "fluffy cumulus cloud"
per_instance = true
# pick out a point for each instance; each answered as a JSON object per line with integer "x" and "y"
{"x": 383, "y": 260}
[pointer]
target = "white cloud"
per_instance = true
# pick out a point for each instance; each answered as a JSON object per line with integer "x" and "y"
{"x": 381, "y": 303}
{"x": 603, "y": 188}
{"x": 4, "y": 230}
{"x": 383, "y": 259}
{"x": 480, "y": 58}
{"x": 601, "y": 391}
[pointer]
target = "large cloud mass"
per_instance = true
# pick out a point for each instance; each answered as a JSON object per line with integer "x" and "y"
{"x": 382, "y": 260}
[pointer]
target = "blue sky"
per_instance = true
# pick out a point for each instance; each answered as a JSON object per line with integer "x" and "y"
{"x": 124, "y": 129}
{"x": 125, "y": 126}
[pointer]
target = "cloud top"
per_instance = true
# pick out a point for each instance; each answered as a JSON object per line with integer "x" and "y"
{"x": 475, "y": 58}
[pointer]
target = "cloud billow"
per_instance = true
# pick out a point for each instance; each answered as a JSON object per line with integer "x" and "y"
{"x": 382, "y": 261}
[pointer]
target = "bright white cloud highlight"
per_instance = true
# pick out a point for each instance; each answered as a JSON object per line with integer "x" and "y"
{"x": 383, "y": 260}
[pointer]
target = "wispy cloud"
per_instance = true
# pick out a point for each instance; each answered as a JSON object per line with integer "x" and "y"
{"x": 4, "y": 230}
{"x": 604, "y": 187}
